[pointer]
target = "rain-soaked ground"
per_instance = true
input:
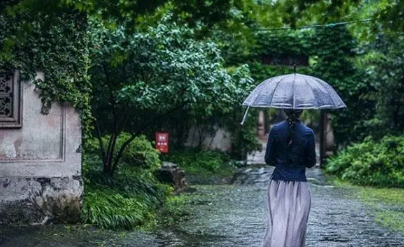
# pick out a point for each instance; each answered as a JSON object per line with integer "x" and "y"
{"x": 231, "y": 215}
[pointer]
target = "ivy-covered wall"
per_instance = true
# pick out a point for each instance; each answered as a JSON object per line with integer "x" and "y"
{"x": 53, "y": 42}
{"x": 331, "y": 52}
{"x": 40, "y": 163}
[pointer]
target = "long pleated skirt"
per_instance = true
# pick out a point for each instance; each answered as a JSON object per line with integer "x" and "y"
{"x": 288, "y": 211}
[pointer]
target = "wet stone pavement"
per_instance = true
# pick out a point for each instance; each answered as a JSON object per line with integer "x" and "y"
{"x": 234, "y": 215}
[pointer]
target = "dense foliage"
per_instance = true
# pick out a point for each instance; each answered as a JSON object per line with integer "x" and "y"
{"x": 241, "y": 28}
{"x": 55, "y": 43}
{"x": 330, "y": 52}
{"x": 140, "y": 153}
{"x": 127, "y": 201}
{"x": 335, "y": 49}
{"x": 132, "y": 196}
{"x": 349, "y": 45}
{"x": 141, "y": 78}
{"x": 138, "y": 65}
{"x": 385, "y": 66}
{"x": 374, "y": 163}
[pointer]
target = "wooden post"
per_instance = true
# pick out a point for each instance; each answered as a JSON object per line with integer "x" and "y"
{"x": 261, "y": 125}
{"x": 323, "y": 118}
{"x": 266, "y": 122}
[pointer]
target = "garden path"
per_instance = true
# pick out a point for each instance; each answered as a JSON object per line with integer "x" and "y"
{"x": 232, "y": 215}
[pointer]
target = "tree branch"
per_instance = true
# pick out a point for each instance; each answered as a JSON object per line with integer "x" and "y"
{"x": 99, "y": 137}
{"x": 113, "y": 137}
{"x": 141, "y": 129}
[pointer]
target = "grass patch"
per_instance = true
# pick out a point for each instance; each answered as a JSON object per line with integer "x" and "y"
{"x": 203, "y": 162}
{"x": 127, "y": 201}
{"x": 389, "y": 196}
{"x": 386, "y": 203}
{"x": 391, "y": 219}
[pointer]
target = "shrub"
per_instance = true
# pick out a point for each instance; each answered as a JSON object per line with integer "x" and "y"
{"x": 139, "y": 153}
{"x": 127, "y": 200}
{"x": 132, "y": 196}
{"x": 371, "y": 163}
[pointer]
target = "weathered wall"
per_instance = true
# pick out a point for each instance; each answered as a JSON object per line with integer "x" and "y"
{"x": 219, "y": 140}
{"x": 40, "y": 163}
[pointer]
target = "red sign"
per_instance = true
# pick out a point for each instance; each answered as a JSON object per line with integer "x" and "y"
{"x": 162, "y": 142}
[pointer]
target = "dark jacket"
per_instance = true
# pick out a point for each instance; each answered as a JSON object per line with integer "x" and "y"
{"x": 290, "y": 161}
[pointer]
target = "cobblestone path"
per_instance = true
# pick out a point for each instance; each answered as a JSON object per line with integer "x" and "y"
{"x": 234, "y": 215}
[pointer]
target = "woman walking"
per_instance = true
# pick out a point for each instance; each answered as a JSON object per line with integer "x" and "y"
{"x": 290, "y": 148}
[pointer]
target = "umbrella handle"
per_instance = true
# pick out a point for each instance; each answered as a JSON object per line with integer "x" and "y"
{"x": 245, "y": 115}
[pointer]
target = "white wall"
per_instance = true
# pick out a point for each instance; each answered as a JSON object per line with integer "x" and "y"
{"x": 40, "y": 160}
{"x": 220, "y": 140}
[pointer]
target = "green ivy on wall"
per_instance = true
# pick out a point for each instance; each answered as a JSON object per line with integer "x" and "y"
{"x": 331, "y": 52}
{"x": 55, "y": 43}
{"x": 336, "y": 50}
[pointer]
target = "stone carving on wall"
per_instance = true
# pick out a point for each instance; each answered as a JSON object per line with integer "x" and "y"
{"x": 6, "y": 96}
{"x": 10, "y": 100}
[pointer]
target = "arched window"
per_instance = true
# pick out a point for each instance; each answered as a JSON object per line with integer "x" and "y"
{"x": 10, "y": 100}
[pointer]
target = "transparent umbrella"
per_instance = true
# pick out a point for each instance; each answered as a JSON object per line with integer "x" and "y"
{"x": 294, "y": 91}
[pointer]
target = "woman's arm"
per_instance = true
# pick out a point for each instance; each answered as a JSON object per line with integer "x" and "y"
{"x": 311, "y": 151}
{"x": 270, "y": 153}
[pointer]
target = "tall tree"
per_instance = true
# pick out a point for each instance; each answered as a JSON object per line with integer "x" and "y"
{"x": 141, "y": 78}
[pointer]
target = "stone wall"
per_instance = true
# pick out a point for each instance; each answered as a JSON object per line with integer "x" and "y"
{"x": 40, "y": 163}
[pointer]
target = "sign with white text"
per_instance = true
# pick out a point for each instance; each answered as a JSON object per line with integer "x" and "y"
{"x": 162, "y": 142}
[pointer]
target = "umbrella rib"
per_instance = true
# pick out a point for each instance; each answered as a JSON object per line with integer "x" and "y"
{"x": 259, "y": 86}
{"x": 329, "y": 95}
{"x": 307, "y": 82}
{"x": 270, "y": 102}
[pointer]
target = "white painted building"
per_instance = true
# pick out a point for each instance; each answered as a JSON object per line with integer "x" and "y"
{"x": 40, "y": 156}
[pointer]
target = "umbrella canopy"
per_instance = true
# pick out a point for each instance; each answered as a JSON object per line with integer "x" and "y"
{"x": 294, "y": 91}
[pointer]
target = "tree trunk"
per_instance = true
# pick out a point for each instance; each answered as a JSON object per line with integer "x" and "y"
{"x": 109, "y": 157}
